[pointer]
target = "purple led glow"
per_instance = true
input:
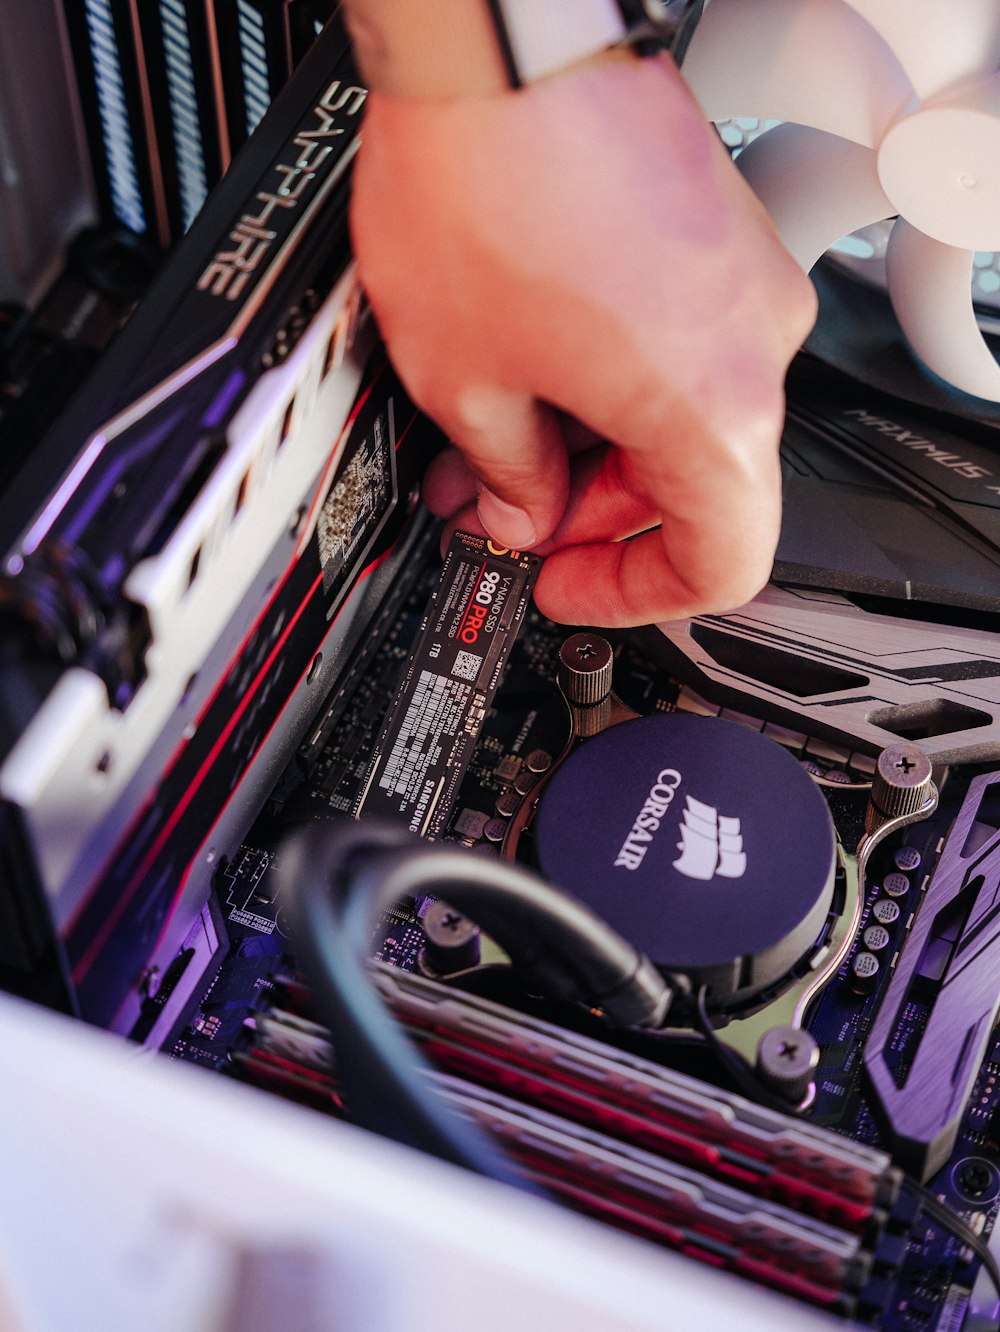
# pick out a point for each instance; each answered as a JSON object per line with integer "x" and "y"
{"x": 43, "y": 524}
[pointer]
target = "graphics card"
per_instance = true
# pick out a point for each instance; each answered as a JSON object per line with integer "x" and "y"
{"x": 179, "y": 552}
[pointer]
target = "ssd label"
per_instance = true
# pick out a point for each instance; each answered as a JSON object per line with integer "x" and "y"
{"x": 470, "y": 627}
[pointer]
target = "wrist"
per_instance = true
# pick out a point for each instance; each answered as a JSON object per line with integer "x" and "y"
{"x": 450, "y": 49}
{"x": 413, "y": 49}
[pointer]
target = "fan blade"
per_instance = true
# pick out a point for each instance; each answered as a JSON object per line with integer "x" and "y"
{"x": 816, "y": 187}
{"x": 930, "y": 285}
{"x": 816, "y": 62}
{"x": 938, "y": 44}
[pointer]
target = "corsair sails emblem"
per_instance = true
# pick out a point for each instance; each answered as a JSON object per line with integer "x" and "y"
{"x": 711, "y": 844}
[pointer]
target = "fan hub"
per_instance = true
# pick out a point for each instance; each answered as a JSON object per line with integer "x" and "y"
{"x": 940, "y": 167}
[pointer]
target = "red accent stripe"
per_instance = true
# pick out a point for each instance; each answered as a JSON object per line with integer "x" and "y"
{"x": 111, "y": 920}
{"x": 182, "y": 883}
{"x": 362, "y": 576}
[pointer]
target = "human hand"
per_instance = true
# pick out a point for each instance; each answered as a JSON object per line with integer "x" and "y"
{"x": 585, "y": 245}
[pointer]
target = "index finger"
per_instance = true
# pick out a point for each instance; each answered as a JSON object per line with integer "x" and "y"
{"x": 720, "y": 520}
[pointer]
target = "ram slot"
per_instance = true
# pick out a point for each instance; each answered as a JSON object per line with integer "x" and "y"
{"x": 845, "y": 1181}
{"x": 668, "y": 1202}
{"x": 674, "y": 1205}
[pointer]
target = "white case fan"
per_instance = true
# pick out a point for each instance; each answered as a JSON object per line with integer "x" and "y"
{"x": 889, "y": 109}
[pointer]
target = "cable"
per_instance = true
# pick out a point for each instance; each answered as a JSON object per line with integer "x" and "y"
{"x": 943, "y": 1216}
{"x": 736, "y": 1066}
{"x": 339, "y": 882}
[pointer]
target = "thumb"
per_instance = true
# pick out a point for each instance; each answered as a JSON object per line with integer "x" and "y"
{"x": 514, "y": 448}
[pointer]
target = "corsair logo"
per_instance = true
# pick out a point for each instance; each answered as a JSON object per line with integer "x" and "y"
{"x": 710, "y": 844}
{"x": 657, "y": 803}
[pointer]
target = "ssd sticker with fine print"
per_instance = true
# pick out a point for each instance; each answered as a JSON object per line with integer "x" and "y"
{"x": 465, "y": 639}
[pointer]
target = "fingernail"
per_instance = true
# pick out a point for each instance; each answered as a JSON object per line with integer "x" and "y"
{"x": 505, "y": 523}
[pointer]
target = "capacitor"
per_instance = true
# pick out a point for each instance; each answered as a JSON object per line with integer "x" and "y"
{"x": 907, "y": 858}
{"x": 865, "y": 968}
{"x": 539, "y": 760}
{"x": 495, "y": 830}
{"x": 876, "y": 938}
{"x": 508, "y": 804}
{"x": 885, "y": 911}
{"x": 896, "y": 884}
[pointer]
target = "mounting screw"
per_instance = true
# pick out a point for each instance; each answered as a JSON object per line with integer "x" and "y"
{"x": 586, "y": 663}
{"x": 902, "y": 784}
{"x": 786, "y": 1060}
{"x": 451, "y": 941}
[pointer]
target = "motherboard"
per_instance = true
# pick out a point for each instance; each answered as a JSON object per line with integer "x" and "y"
{"x": 257, "y": 1021}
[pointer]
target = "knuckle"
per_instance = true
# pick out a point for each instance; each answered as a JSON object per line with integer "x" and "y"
{"x": 744, "y": 583}
{"x": 797, "y": 302}
{"x": 752, "y": 441}
{"x": 804, "y": 307}
{"x": 474, "y": 408}
{"x": 728, "y": 576}
{"x": 727, "y": 592}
